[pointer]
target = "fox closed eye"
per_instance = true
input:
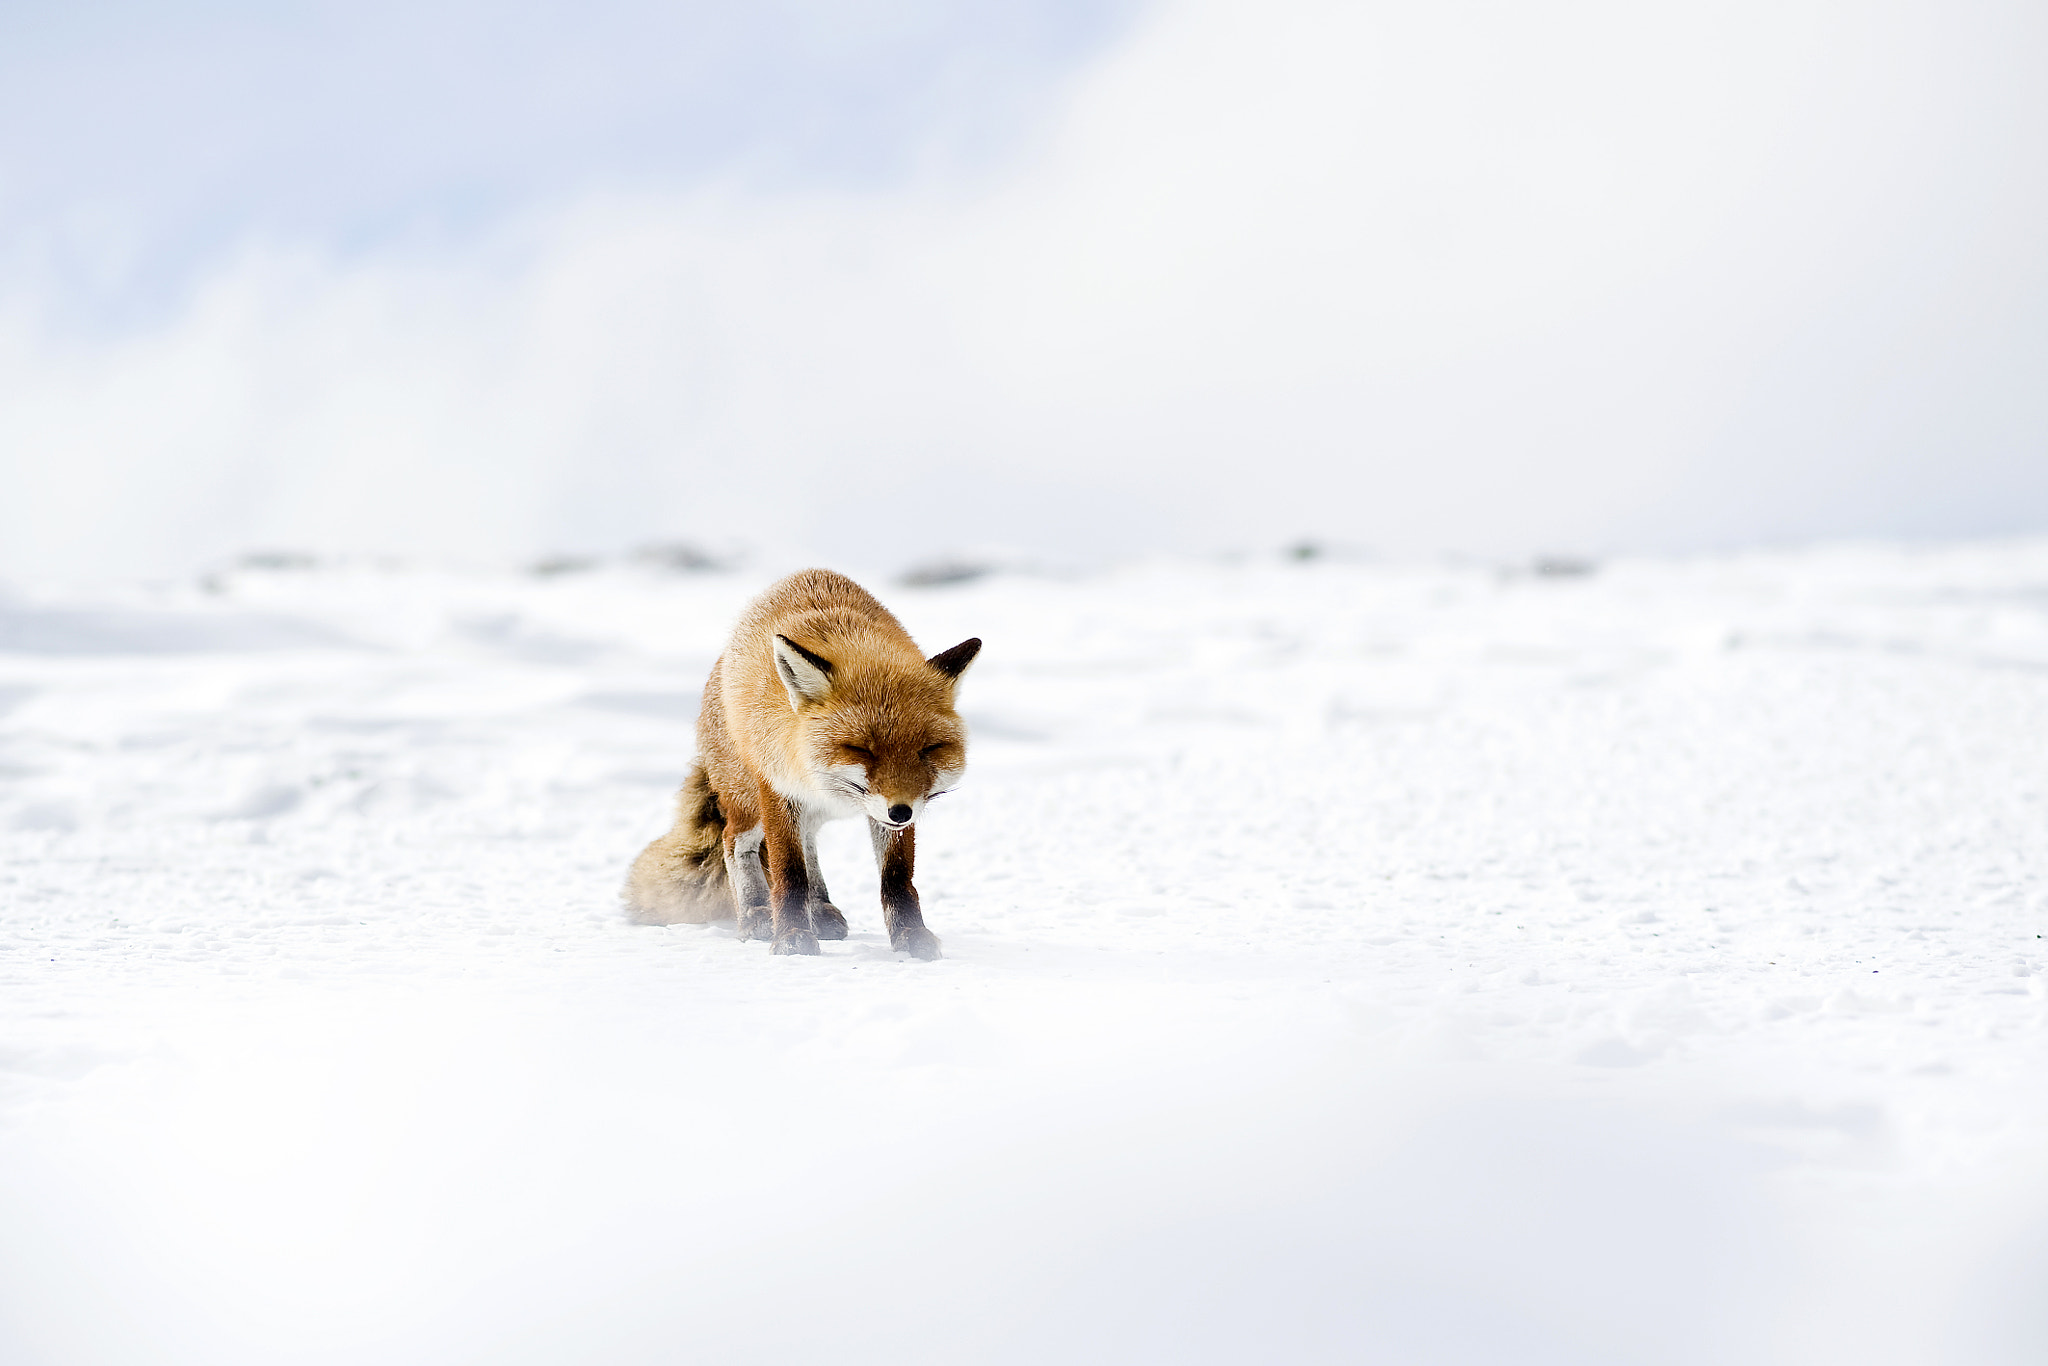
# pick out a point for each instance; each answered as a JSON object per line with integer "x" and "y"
{"x": 864, "y": 755}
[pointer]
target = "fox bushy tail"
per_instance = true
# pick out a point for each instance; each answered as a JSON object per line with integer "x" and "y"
{"x": 680, "y": 878}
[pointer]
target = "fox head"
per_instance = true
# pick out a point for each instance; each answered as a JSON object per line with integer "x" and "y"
{"x": 880, "y": 733}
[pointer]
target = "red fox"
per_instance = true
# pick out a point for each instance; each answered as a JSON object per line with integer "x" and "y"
{"x": 820, "y": 708}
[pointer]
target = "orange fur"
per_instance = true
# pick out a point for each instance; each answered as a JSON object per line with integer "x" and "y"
{"x": 820, "y": 708}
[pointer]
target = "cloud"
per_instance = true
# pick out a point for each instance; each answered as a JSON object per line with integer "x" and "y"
{"x": 1470, "y": 276}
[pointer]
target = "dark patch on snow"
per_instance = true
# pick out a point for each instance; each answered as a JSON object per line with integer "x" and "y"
{"x": 554, "y": 566}
{"x": 944, "y": 573}
{"x": 279, "y": 561}
{"x": 680, "y": 557}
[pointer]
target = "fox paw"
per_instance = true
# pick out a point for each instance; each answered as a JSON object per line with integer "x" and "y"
{"x": 756, "y": 925}
{"x": 915, "y": 940}
{"x": 795, "y": 941}
{"x": 828, "y": 921}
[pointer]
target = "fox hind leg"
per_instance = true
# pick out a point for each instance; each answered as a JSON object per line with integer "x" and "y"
{"x": 826, "y": 919}
{"x": 749, "y": 884}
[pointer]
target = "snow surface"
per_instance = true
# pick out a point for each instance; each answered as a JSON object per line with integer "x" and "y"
{"x": 1364, "y": 962}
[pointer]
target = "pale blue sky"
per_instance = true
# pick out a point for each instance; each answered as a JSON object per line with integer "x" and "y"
{"x": 869, "y": 283}
{"x": 139, "y": 140}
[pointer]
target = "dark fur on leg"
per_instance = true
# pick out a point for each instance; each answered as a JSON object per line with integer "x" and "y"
{"x": 789, "y": 884}
{"x": 901, "y": 911}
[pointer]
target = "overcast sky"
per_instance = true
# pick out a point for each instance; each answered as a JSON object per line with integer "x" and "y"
{"x": 870, "y": 283}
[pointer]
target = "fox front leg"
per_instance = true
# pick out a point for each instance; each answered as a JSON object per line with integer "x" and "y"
{"x": 827, "y": 922}
{"x": 895, "y": 856}
{"x": 782, "y": 853}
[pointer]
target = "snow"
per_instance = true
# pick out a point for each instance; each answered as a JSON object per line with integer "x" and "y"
{"x": 1346, "y": 960}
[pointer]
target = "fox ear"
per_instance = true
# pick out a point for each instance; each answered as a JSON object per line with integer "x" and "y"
{"x": 807, "y": 676}
{"x": 952, "y": 663}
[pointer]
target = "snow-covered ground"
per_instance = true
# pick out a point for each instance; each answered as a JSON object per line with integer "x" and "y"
{"x": 1364, "y": 962}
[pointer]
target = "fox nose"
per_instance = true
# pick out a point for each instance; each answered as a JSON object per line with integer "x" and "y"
{"x": 899, "y": 813}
